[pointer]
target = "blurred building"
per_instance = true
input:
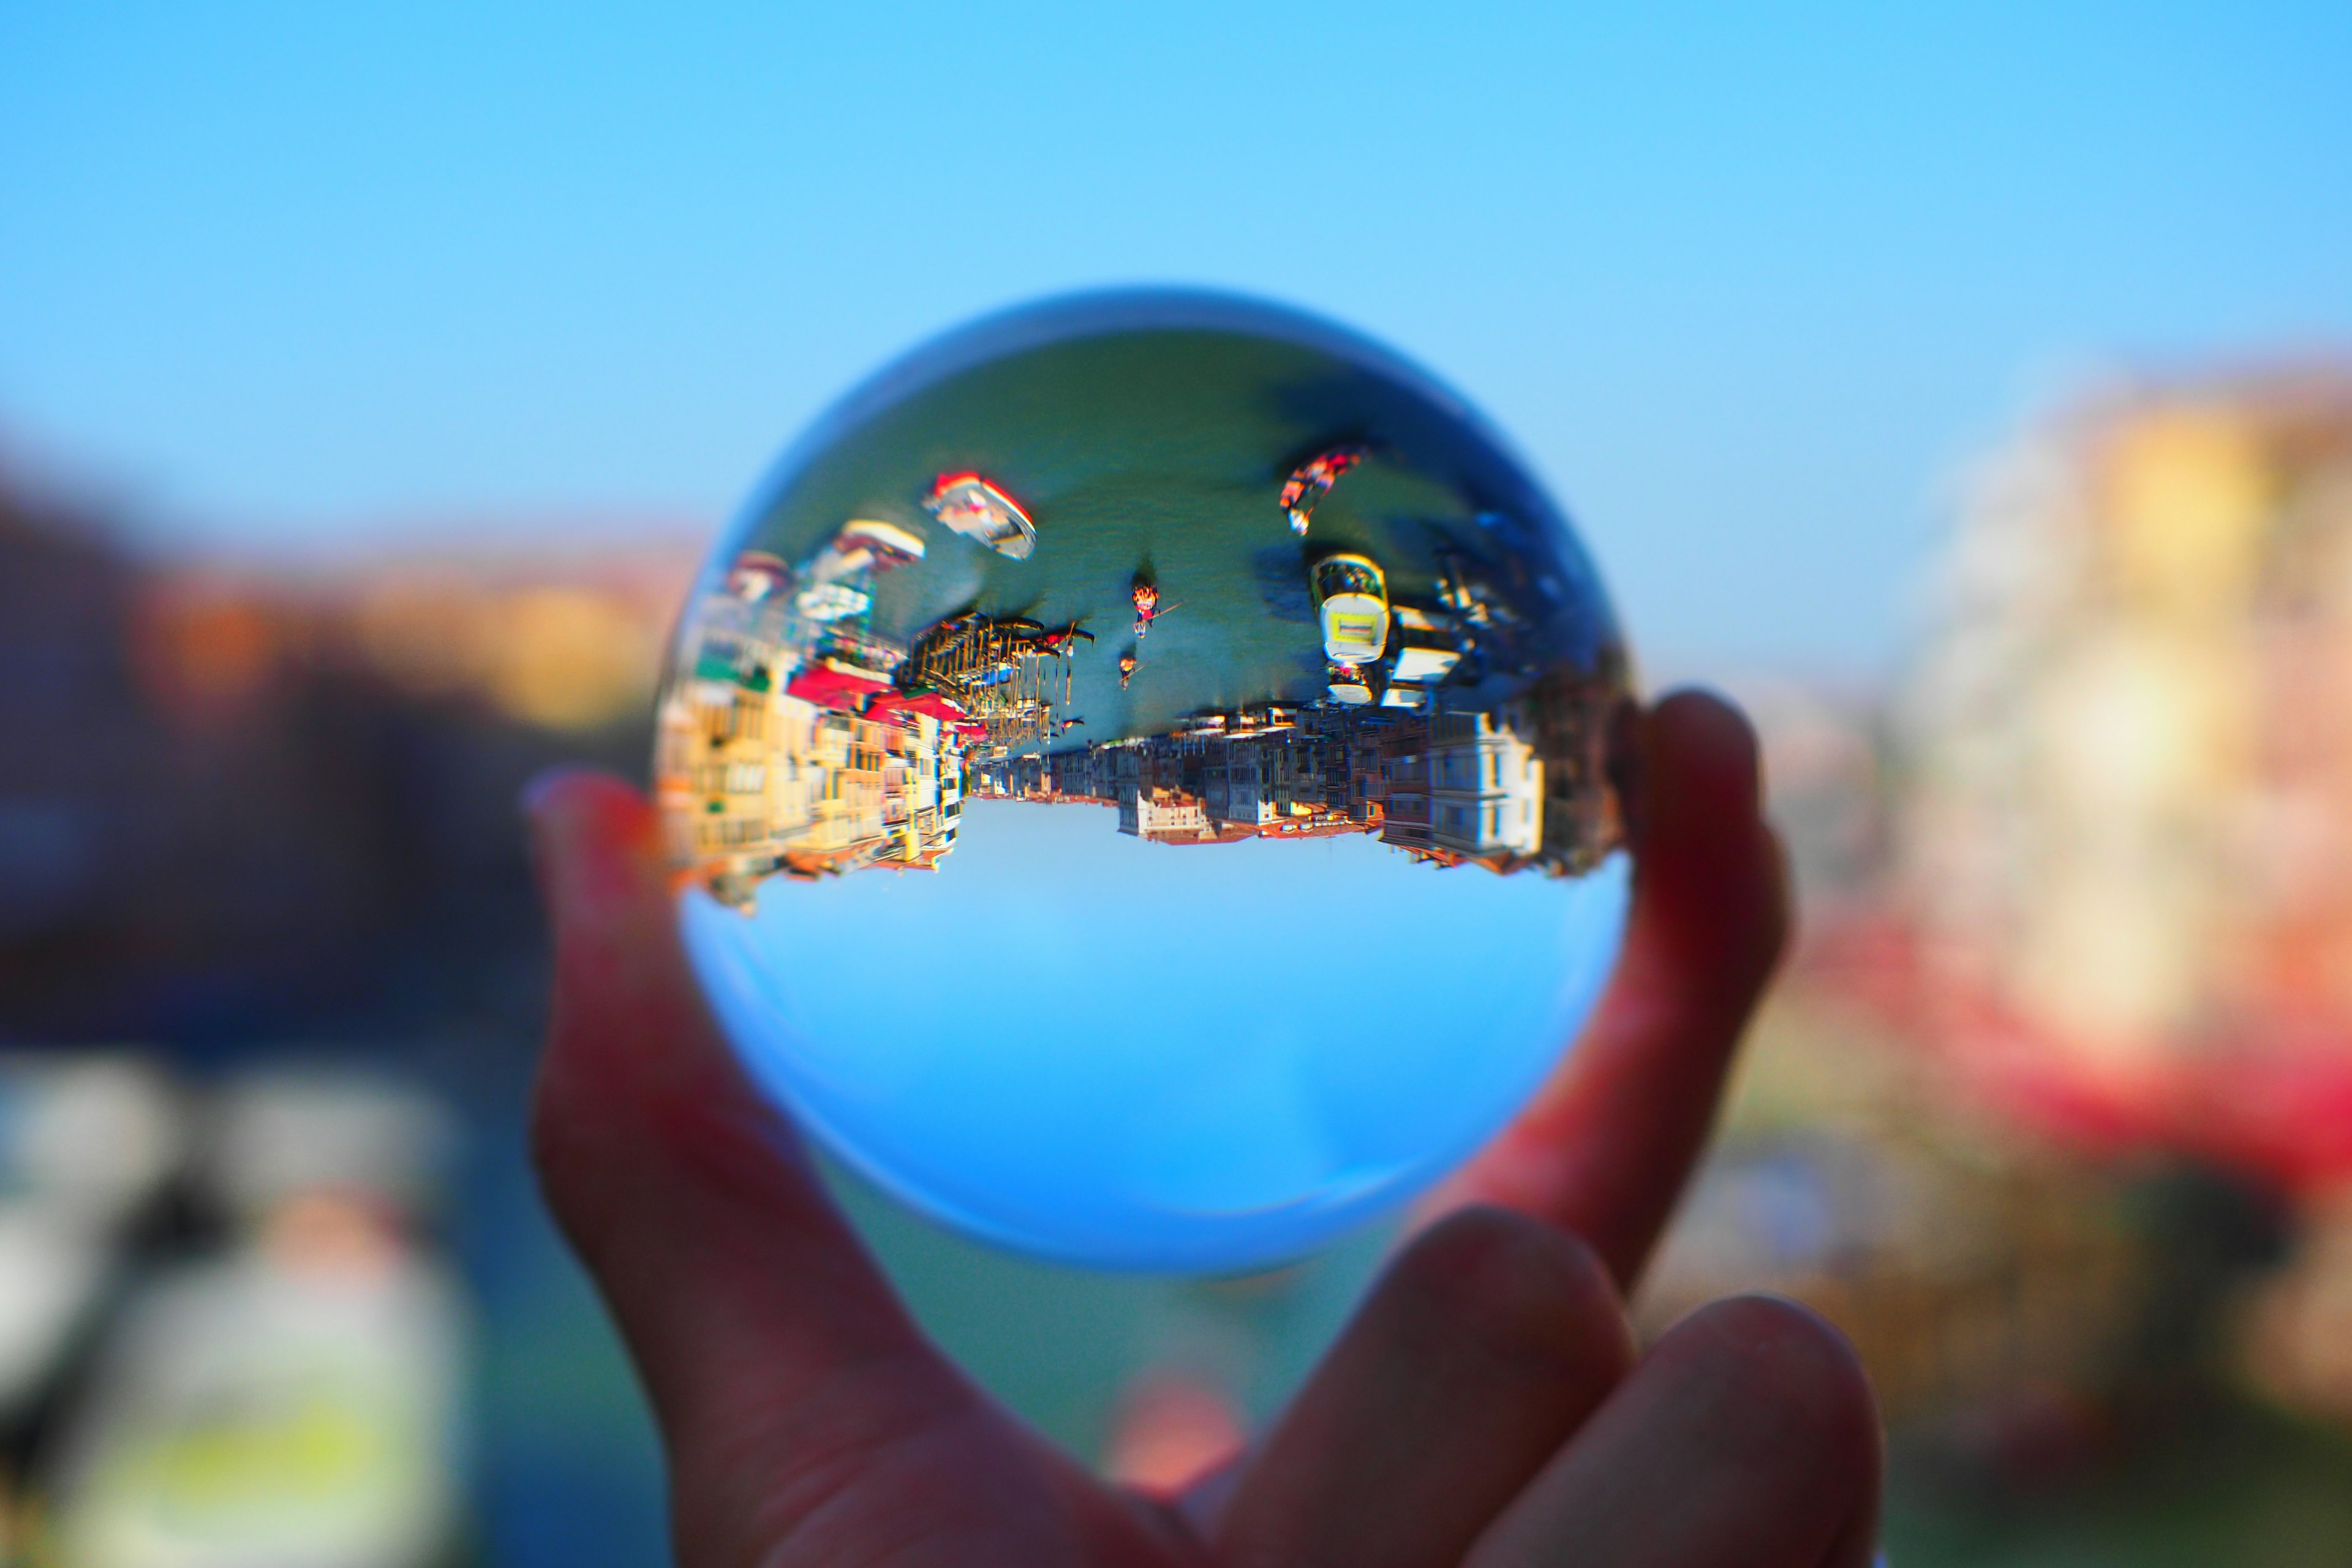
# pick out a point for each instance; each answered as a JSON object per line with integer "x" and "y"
{"x": 2126, "y": 834}
{"x": 2091, "y": 863}
{"x": 1962, "y": 1284}
{"x": 237, "y": 799}
{"x": 1829, "y": 778}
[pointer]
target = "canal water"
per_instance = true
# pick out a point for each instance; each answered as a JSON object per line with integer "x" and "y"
{"x": 1165, "y": 461}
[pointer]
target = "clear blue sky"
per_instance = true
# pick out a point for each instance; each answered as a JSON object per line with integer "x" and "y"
{"x": 1748, "y": 291}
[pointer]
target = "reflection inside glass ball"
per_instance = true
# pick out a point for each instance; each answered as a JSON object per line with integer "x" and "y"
{"x": 1139, "y": 779}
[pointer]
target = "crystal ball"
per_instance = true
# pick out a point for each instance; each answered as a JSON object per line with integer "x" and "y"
{"x": 1140, "y": 780}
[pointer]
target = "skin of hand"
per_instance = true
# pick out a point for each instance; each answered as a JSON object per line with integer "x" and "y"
{"x": 1486, "y": 1405}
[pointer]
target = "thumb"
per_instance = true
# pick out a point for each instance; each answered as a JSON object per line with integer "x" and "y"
{"x": 767, "y": 1338}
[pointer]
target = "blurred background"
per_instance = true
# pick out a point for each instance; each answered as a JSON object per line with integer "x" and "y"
{"x": 1971, "y": 396}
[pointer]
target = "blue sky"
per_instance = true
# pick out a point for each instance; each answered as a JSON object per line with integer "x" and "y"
{"x": 1748, "y": 291}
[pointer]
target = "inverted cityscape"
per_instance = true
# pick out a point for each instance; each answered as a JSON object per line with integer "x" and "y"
{"x": 1428, "y": 666}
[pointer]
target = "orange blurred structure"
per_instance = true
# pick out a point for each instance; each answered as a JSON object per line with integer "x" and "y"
{"x": 251, "y": 787}
{"x": 1171, "y": 1430}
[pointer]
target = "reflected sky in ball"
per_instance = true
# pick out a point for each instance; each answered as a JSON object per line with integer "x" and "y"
{"x": 1205, "y": 1057}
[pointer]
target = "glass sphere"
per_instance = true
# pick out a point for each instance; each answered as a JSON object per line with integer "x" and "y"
{"x": 1139, "y": 777}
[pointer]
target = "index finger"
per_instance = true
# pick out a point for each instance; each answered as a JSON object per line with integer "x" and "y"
{"x": 1606, "y": 1145}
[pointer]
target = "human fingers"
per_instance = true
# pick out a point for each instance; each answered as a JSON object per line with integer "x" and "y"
{"x": 1604, "y": 1147}
{"x": 782, "y": 1367}
{"x": 1746, "y": 1436}
{"x": 1484, "y": 1346}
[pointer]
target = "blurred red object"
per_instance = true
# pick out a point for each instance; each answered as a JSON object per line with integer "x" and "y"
{"x": 1170, "y": 1430}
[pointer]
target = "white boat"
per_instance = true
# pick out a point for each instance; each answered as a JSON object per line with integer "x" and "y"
{"x": 978, "y": 510}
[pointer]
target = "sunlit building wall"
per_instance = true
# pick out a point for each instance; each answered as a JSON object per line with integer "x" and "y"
{"x": 733, "y": 763}
{"x": 1486, "y": 792}
{"x": 1161, "y": 815}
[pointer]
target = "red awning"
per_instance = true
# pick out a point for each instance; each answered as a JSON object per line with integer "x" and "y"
{"x": 931, "y": 704}
{"x": 833, "y": 688}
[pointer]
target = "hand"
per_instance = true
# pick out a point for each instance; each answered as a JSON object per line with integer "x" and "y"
{"x": 1486, "y": 1405}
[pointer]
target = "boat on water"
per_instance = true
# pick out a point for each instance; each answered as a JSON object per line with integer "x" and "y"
{"x": 976, "y": 509}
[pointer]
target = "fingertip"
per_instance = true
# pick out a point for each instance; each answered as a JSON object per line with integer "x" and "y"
{"x": 1706, "y": 753}
{"x": 1793, "y": 1367}
{"x": 631, "y": 1055}
{"x": 1748, "y": 1434}
{"x": 620, "y": 976}
{"x": 571, "y": 799}
{"x": 1712, "y": 867}
{"x": 1524, "y": 1287}
{"x": 1480, "y": 1350}
{"x": 549, "y": 791}
{"x": 1706, "y": 715}
{"x": 591, "y": 834}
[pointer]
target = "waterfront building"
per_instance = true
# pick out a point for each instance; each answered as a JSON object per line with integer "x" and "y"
{"x": 767, "y": 760}
{"x": 725, "y": 773}
{"x": 1158, "y": 814}
{"x": 1485, "y": 787}
{"x": 1237, "y": 777}
{"x": 1394, "y": 769}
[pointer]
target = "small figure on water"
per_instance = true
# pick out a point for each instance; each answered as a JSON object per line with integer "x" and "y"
{"x": 1312, "y": 481}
